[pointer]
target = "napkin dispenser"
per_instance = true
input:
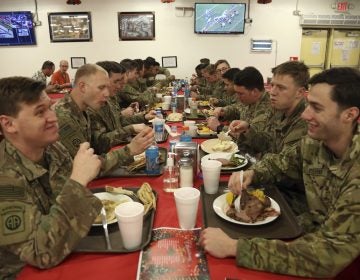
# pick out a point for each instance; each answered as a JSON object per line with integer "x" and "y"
{"x": 188, "y": 149}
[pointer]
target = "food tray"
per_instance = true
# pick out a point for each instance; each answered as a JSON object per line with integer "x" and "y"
{"x": 284, "y": 227}
{"x": 199, "y": 116}
{"x": 122, "y": 172}
{"x": 95, "y": 240}
{"x": 225, "y": 171}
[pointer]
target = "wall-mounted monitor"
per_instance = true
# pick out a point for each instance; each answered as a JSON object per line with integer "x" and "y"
{"x": 17, "y": 28}
{"x": 219, "y": 18}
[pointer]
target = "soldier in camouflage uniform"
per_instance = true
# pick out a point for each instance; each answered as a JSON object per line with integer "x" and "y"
{"x": 106, "y": 123}
{"x": 256, "y": 110}
{"x": 47, "y": 69}
{"x": 91, "y": 89}
{"x": 285, "y": 127}
{"x": 229, "y": 112}
{"x": 328, "y": 161}
{"x": 44, "y": 203}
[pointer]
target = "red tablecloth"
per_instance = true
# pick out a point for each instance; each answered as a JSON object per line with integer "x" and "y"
{"x": 124, "y": 266}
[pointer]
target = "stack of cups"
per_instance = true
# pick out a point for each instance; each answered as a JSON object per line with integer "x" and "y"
{"x": 130, "y": 219}
{"x": 192, "y": 127}
{"x": 166, "y": 102}
{"x": 187, "y": 201}
{"x": 211, "y": 175}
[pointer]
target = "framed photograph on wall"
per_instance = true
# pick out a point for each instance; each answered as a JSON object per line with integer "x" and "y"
{"x": 136, "y": 25}
{"x": 70, "y": 27}
{"x": 77, "y": 62}
{"x": 169, "y": 61}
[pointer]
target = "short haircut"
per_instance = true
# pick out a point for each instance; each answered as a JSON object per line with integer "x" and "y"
{"x": 295, "y": 69}
{"x": 140, "y": 64}
{"x": 221, "y": 61}
{"x": 129, "y": 64}
{"x": 345, "y": 82}
{"x": 47, "y": 65}
{"x": 205, "y": 60}
{"x": 112, "y": 67}
{"x": 250, "y": 78}
{"x": 230, "y": 74}
{"x": 210, "y": 69}
{"x": 87, "y": 70}
{"x": 17, "y": 90}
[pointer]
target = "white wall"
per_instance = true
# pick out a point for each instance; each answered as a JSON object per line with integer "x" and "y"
{"x": 174, "y": 35}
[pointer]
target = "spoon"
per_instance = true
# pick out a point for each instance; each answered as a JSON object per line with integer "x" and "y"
{"x": 237, "y": 200}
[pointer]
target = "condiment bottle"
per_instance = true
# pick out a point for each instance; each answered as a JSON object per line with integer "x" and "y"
{"x": 171, "y": 175}
{"x": 186, "y": 172}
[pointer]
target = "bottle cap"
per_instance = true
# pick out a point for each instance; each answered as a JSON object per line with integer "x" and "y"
{"x": 185, "y": 127}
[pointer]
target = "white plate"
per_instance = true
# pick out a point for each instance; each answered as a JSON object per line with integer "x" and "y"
{"x": 225, "y": 156}
{"x": 114, "y": 197}
{"x": 220, "y": 207}
{"x": 207, "y": 146}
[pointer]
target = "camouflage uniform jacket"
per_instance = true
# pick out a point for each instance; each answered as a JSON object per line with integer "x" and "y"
{"x": 130, "y": 94}
{"x": 279, "y": 132}
{"x": 125, "y": 120}
{"x": 39, "y": 76}
{"x": 332, "y": 234}
{"x": 224, "y": 98}
{"x": 139, "y": 84}
{"x": 232, "y": 112}
{"x": 214, "y": 89}
{"x": 106, "y": 129}
{"x": 257, "y": 115}
{"x": 74, "y": 129}
{"x": 44, "y": 214}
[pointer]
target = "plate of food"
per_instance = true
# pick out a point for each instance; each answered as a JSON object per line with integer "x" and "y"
{"x": 203, "y": 103}
{"x": 110, "y": 201}
{"x": 256, "y": 208}
{"x": 175, "y": 117}
{"x": 229, "y": 161}
{"x": 216, "y": 145}
{"x": 204, "y": 130}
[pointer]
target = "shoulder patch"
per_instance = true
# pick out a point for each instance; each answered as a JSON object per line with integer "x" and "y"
{"x": 12, "y": 219}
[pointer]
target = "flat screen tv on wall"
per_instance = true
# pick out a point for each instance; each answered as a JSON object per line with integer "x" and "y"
{"x": 219, "y": 18}
{"x": 17, "y": 28}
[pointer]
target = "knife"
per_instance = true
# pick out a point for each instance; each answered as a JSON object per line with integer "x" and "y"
{"x": 105, "y": 226}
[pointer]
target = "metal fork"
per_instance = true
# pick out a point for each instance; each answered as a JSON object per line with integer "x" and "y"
{"x": 237, "y": 200}
{"x": 105, "y": 226}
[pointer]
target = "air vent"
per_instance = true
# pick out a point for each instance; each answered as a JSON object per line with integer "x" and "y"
{"x": 339, "y": 21}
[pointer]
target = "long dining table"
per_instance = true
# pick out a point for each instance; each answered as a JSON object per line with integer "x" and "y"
{"x": 114, "y": 266}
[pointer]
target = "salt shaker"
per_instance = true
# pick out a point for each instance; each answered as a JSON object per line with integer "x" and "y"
{"x": 186, "y": 172}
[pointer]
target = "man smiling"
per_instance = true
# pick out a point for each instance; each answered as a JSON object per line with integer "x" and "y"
{"x": 328, "y": 162}
{"x": 45, "y": 206}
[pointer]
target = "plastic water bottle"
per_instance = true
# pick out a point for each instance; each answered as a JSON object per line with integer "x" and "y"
{"x": 185, "y": 136}
{"x": 152, "y": 159}
{"x": 173, "y": 100}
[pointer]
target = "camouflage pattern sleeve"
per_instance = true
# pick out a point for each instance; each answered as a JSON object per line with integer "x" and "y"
{"x": 45, "y": 240}
{"x": 115, "y": 159}
{"x": 164, "y": 71}
{"x": 137, "y": 118}
{"x": 279, "y": 132}
{"x": 232, "y": 112}
{"x": 333, "y": 197}
{"x": 271, "y": 169}
{"x": 321, "y": 253}
{"x": 107, "y": 132}
{"x": 129, "y": 95}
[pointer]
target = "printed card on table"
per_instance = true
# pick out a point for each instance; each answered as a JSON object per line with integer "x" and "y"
{"x": 173, "y": 254}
